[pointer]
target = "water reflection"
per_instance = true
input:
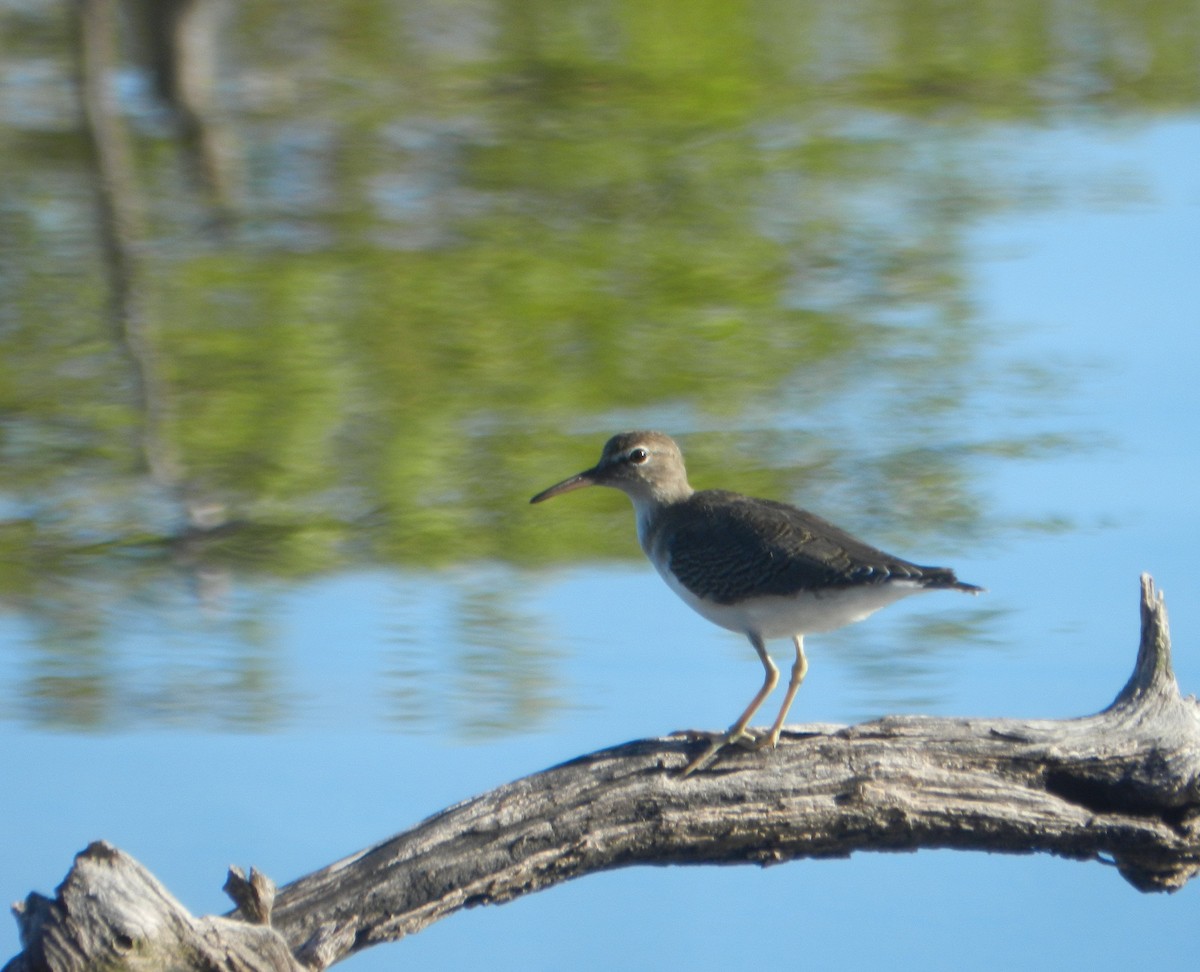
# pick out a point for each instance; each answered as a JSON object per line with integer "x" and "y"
{"x": 909, "y": 680}
{"x": 477, "y": 667}
{"x": 344, "y": 317}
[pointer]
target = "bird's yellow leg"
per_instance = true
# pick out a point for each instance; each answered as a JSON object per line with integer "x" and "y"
{"x": 737, "y": 734}
{"x": 799, "y": 670}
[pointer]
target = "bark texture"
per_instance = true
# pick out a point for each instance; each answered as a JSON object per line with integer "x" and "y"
{"x": 1122, "y": 786}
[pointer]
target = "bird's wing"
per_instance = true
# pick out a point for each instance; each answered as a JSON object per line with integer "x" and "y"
{"x": 725, "y": 547}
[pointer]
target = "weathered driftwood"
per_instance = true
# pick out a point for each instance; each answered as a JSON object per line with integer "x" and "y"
{"x": 1122, "y": 786}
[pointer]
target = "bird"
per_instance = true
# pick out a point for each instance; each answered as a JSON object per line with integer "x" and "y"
{"x": 759, "y": 567}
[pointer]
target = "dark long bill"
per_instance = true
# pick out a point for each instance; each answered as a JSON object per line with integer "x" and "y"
{"x": 585, "y": 478}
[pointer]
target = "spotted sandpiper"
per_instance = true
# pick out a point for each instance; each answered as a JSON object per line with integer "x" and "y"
{"x": 766, "y": 569}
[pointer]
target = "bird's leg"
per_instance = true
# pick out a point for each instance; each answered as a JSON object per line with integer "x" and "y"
{"x": 737, "y": 733}
{"x": 799, "y": 670}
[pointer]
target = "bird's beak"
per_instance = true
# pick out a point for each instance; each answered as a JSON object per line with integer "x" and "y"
{"x": 578, "y": 481}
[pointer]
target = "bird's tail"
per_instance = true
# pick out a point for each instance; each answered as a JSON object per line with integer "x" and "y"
{"x": 942, "y": 578}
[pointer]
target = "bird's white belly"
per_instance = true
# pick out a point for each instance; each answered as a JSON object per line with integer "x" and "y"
{"x": 809, "y": 612}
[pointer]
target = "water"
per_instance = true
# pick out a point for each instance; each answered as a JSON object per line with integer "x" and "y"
{"x": 271, "y": 588}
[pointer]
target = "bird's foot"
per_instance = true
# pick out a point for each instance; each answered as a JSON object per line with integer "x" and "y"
{"x": 746, "y": 738}
{"x": 716, "y": 742}
{"x": 768, "y": 740}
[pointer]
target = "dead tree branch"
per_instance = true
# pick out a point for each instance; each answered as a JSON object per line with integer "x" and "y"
{"x": 1122, "y": 786}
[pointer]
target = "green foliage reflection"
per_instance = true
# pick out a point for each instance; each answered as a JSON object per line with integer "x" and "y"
{"x": 278, "y": 320}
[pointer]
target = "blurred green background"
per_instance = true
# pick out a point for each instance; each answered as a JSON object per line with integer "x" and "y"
{"x": 296, "y": 288}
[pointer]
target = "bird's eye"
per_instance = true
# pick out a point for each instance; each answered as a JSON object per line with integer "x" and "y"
{"x": 638, "y": 456}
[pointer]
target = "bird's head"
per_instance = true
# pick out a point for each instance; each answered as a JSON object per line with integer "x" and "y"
{"x": 647, "y": 466}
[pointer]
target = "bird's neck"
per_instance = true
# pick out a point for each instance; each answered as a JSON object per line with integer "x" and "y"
{"x": 648, "y": 507}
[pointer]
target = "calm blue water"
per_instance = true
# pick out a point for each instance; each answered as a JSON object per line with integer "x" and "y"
{"x": 1101, "y": 289}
